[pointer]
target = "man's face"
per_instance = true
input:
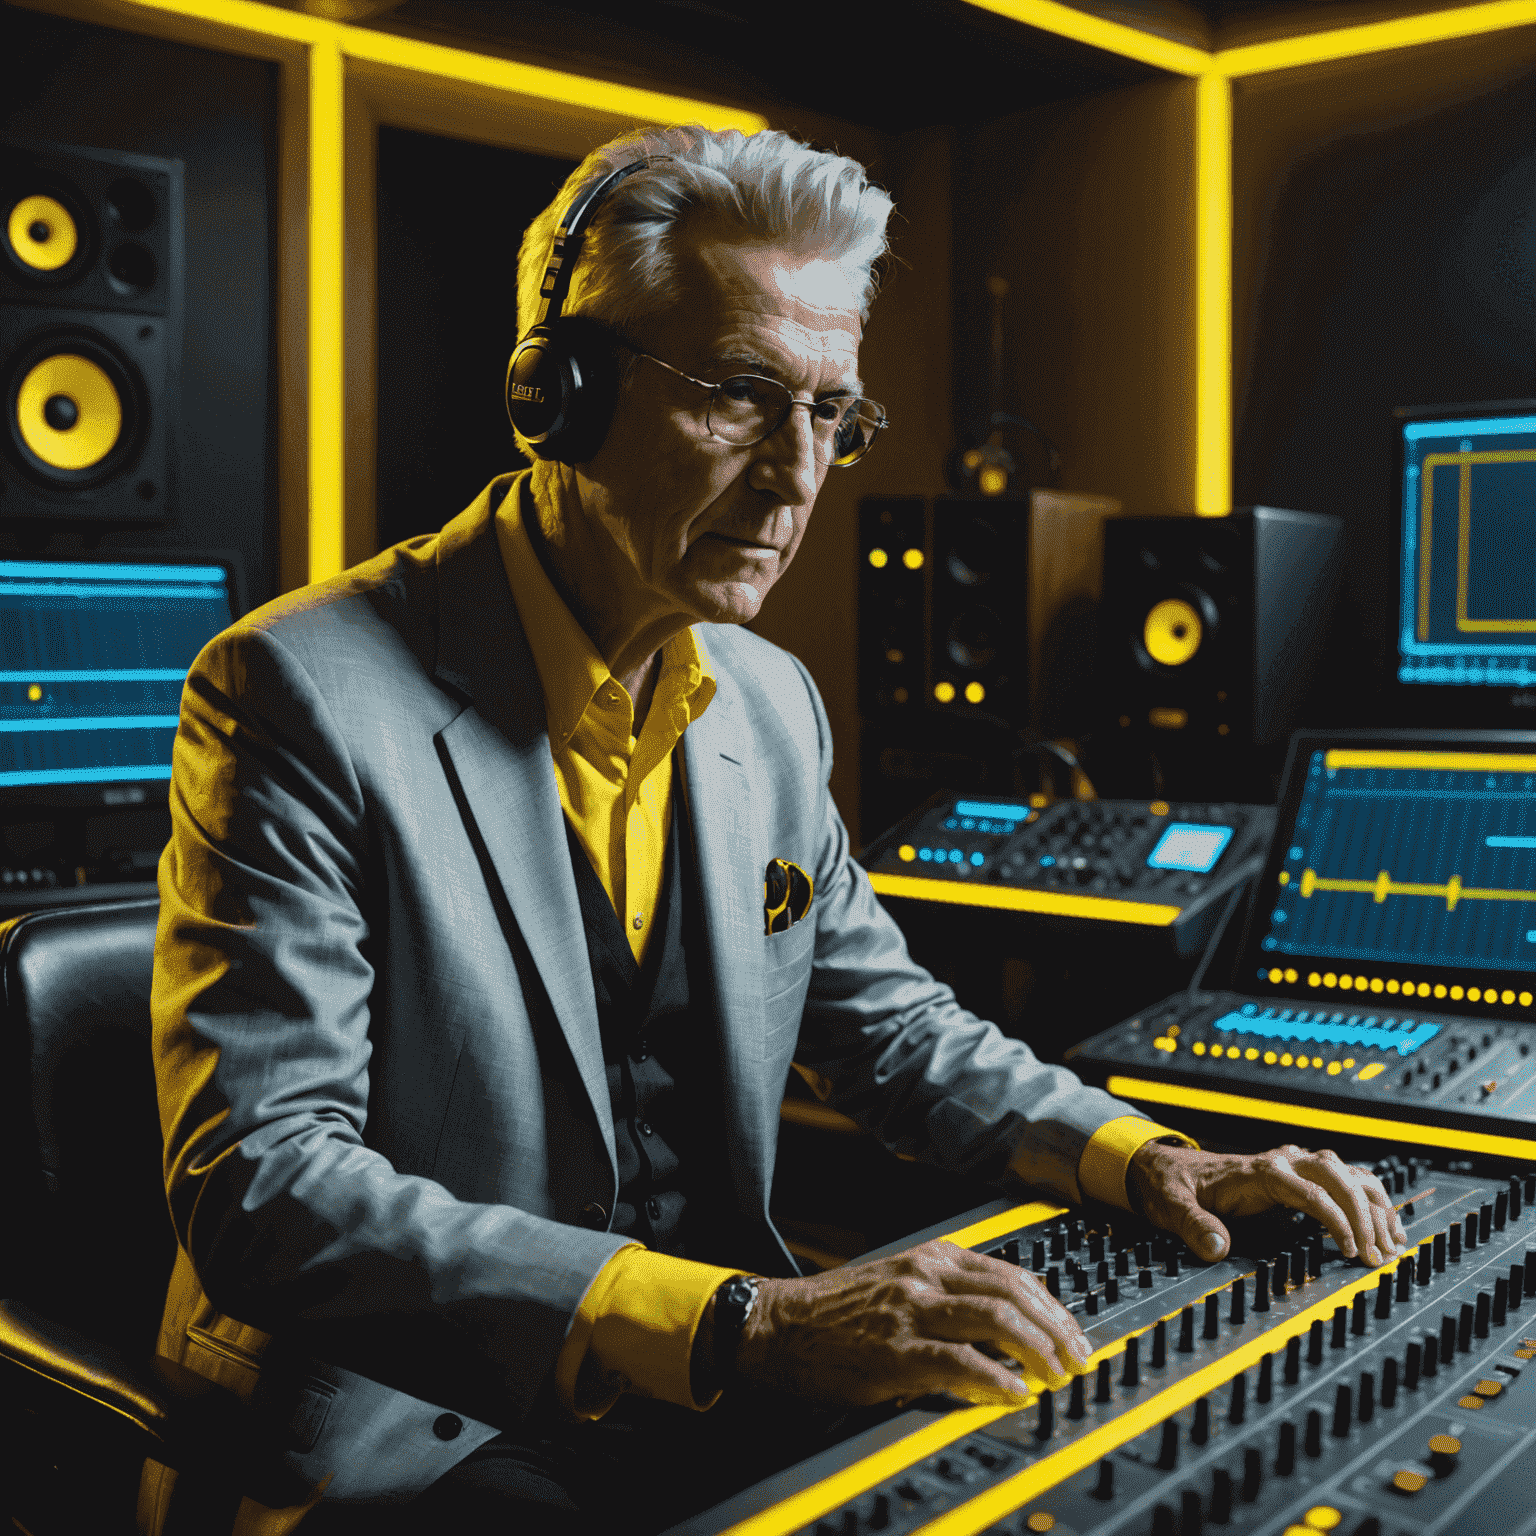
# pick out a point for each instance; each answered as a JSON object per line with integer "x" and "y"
{"x": 699, "y": 526}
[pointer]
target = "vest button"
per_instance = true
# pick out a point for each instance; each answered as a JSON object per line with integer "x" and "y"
{"x": 446, "y": 1426}
{"x": 653, "y": 1208}
{"x": 642, "y": 1050}
{"x": 595, "y": 1216}
{"x": 645, "y": 1128}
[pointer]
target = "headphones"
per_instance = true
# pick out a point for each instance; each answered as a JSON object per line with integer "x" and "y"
{"x": 563, "y": 379}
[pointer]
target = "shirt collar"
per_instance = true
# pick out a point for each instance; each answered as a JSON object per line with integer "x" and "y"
{"x": 571, "y": 672}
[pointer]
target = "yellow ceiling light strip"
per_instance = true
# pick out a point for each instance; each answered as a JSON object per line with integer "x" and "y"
{"x": 1375, "y": 37}
{"x": 1111, "y": 36}
{"x": 1213, "y": 296}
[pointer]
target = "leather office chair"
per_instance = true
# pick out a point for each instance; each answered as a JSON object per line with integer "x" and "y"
{"x": 86, "y": 1245}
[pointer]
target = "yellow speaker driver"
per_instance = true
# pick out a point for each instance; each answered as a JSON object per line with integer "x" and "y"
{"x": 1172, "y": 632}
{"x": 68, "y": 412}
{"x": 42, "y": 233}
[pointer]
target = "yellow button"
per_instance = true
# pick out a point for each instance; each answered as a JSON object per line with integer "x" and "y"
{"x": 1159, "y": 807}
{"x": 1270, "y": 1058}
{"x": 1251, "y": 1053}
{"x": 1488, "y": 1388}
{"x": 1334, "y": 1069}
{"x": 1469, "y": 1402}
{"x": 1286, "y": 1059}
{"x": 1525, "y": 1354}
{"x": 1040, "y": 1520}
{"x": 1375, "y": 1069}
{"x": 1317, "y": 1061}
{"x": 1322, "y": 1517}
{"x": 1349, "y": 1061}
{"x": 1444, "y": 1445}
{"x": 1198, "y": 1047}
{"x": 1407, "y": 1481}
{"x": 906, "y": 853}
{"x": 1218, "y": 1050}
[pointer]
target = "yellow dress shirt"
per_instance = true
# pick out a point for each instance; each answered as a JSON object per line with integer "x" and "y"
{"x": 635, "y": 1327}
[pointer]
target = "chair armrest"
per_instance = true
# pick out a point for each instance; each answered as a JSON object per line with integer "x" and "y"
{"x": 97, "y": 1395}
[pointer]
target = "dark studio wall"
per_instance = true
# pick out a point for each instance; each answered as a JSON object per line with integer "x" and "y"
{"x": 1385, "y": 255}
{"x": 71, "y": 83}
{"x": 451, "y": 217}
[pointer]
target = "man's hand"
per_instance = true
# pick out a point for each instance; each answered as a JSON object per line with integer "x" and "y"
{"x": 905, "y": 1326}
{"x": 1187, "y": 1192}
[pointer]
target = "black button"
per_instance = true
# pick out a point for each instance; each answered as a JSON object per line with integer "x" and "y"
{"x": 642, "y": 1050}
{"x": 446, "y": 1426}
{"x": 653, "y": 1208}
{"x": 645, "y": 1127}
{"x": 594, "y": 1216}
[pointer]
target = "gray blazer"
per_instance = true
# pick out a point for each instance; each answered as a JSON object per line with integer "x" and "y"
{"x": 381, "y": 1082}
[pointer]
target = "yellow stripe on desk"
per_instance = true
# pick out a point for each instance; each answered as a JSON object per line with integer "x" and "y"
{"x": 1463, "y": 762}
{"x": 1006, "y": 899}
{"x": 1349, "y": 1124}
{"x": 998, "y": 1502}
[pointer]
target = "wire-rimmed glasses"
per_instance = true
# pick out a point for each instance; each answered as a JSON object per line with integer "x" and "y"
{"x": 747, "y": 408}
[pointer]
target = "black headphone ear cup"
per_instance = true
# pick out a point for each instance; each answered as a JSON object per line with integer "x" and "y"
{"x": 562, "y": 384}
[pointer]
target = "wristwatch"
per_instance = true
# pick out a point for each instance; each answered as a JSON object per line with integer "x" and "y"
{"x": 733, "y": 1306}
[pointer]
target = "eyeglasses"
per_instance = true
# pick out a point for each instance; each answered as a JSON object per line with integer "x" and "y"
{"x": 747, "y": 408}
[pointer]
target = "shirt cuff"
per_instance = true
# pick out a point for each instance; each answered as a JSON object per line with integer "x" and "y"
{"x": 633, "y": 1332}
{"x": 1107, "y": 1158}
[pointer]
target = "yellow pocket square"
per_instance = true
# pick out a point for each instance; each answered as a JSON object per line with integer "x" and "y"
{"x": 787, "y": 892}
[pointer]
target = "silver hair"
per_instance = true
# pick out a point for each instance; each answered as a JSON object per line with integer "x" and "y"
{"x": 771, "y": 185}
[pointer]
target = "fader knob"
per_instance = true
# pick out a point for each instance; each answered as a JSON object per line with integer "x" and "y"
{"x": 1383, "y": 1298}
{"x": 1314, "y": 1440}
{"x": 1186, "y": 1344}
{"x": 1448, "y": 1336}
{"x": 1293, "y": 1360}
{"x": 1143, "y": 1255}
{"x": 1253, "y": 1470}
{"x": 1413, "y": 1355}
{"x": 1104, "y": 1489}
{"x": 1341, "y": 1414}
{"x": 1160, "y": 1344}
{"x": 1469, "y": 1238}
{"x": 1315, "y": 1342}
{"x": 1500, "y": 1210}
{"x": 1200, "y": 1429}
{"x": 1190, "y": 1522}
{"x": 1131, "y": 1376}
{"x": 1037, "y": 1254}
{"x": 1045, "y": 1427}
{"x": 1168, "y": 1451}
{"x": 1238, "y": 1410}
{"x": 1122, "y": 1263}
{"x": 1261, "y": 1287}
{"x": 1500, "y": 1301}
{"x": 1285, "y": 1451}
{"x": 1298, "y": 1267}
{"x": 1212, "y": 1316}
{"x": 1221, "y": 1497}
{"x": 1144, "y": 1279}
{"x": 1239, "y": 1302}
{"x": 1431, "y": 1354}
{"x": 1514, "y": 1198}
{"x": 1464, "y": 1326}
{"x": 1389, "y": 1382}
{"x": 1516, "y": 1284}
{"x": 1443, "y": 1451}
{"x": 1076, "y": 1407}
{"x": 1162, "y": 1520}
{"x": 1340, "y": 1322}
{"x": 1405, "y": 1278}
{"x": 1101, "y": 1387}
{"x": 1426, "y": 1258}
{"x": 1484, "y": 1221}
{"x": 1171, "y": 1264}
{"x": 1366, "y": 1409}
{"x": 1357, "y": 1323}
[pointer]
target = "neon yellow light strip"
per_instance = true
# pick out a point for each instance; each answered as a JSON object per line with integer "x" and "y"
{"x": 1460, "y": 762}
{"x": 327, "y": 331}
{"x": 1213, "y": 296}
{"x": 1375, "y": 37}
{"x": 1014, "y": 1492}
{"x": 1217, "y": 1103}
{"x": 1111, "y": 36}
{"x": 1465, "y": 461}
{"x": 1060, "y": 903}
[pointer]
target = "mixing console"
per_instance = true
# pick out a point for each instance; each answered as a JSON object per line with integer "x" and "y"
{"x": 1108, "y": 861}
{"x": 1447, "y": 1075}
{"x": 1282, "y": 1395}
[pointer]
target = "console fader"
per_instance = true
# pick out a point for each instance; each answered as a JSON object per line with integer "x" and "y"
{"x": 1286, "y": 1395}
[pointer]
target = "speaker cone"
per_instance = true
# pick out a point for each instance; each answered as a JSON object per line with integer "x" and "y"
{"x": 1172, "y": 632}
{"x": 74, "y": 410}
{"x": 47, "y": 237}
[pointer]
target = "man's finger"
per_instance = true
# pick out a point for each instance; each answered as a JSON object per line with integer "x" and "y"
{"x": 1288, "y": 1187}
{"x": 935, "y": 1366}
{"x": 1349, "y": 1191}
{"x": 1205, "y": 1233}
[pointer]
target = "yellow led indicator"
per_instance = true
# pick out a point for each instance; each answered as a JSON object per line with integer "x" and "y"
{"x": 1285, "y": 877}
{"x": 1159, "y": 808}
{"x": 1346, "y": 983}
{"x": 1457, "y": 993}
{"x": 900, "y": 695}
{"x": 906, "y": 853}
{"x": 993, "y": 480}
{"x": 974, "y": 692}
{"x": 1439, "y": 989}
{"x": 1474, "y": 994}
{"x": 1525, "y": 999}
{"x": 1286, "y": 1059}
{"x": 1349, "y": 1062}
{"x": 1198, "y": 1048}
{"x": 1270, "y": 1058}
{"x": 1394, "y": 987}
{"x": 1314, "y": 979}
{"x": 1375, "y": 1069}
{"x": 944, "y": 692}
{"x": 1329, "y": 979}
{"x": 912, "y": 559}
{"x": 1252, "y": 1053}
{"x": 879, "y": 559}
{"x": 1167, "y": 719}
{"x": 1322, "y": 1517}
{"x": 1506, "y": 996}
{"x": 34, "y": 691}
{"x": 1276, "y": 975}
{"x": 1218, "y": 1050}
{"x": 1290, "y": 973}
{"x": 1334, "y": 1069}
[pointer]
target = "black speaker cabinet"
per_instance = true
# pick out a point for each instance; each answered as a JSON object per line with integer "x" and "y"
{"x": 91, "y": 281}
{"x": 1210, "y": 635}
{"x": 978, "y": 629}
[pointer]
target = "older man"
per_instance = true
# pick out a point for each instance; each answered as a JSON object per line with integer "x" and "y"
{"x": 470, "y": 1029}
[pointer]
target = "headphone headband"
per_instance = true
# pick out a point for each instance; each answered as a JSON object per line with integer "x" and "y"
{"x": 566, "y": 246}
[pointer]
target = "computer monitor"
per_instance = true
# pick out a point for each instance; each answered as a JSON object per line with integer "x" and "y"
{"x": 93, "y": 655}
{"x": 1467, "y": 613}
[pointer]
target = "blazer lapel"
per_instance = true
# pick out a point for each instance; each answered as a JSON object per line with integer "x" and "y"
{"x": 498, "y": 749}
{"x": 719, "y": 800}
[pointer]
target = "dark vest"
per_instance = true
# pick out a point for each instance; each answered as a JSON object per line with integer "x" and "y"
{"x": 662, "y": 1061}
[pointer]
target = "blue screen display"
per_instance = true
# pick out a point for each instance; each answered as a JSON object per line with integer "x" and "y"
{"x": 1468, "y": 611}
{"x": 1189, "y": 846}
{"x": 92, "y": 661}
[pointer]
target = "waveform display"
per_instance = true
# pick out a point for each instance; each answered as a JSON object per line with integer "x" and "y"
{"x": 1412, "y": 858}
{"x": 92, "y": 661}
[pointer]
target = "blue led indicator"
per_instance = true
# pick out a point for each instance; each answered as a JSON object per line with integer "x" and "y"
{"x": 925, "y": 854}
{"x": 978, "y": 859}
{"x": 991, "y": 808}
{"x": 1189, "y": 846}
{"x": 1511, "y": 842}
{"x": 1048, "y": 860}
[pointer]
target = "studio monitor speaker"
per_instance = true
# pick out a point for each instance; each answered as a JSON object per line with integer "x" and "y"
{"x": 1210, "y": 634}
{"x": 91, "y": 279}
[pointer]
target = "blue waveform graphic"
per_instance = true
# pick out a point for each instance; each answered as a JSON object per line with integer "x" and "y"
{"x": 1411, "y": 866}
{"x": 92, "y": 661}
